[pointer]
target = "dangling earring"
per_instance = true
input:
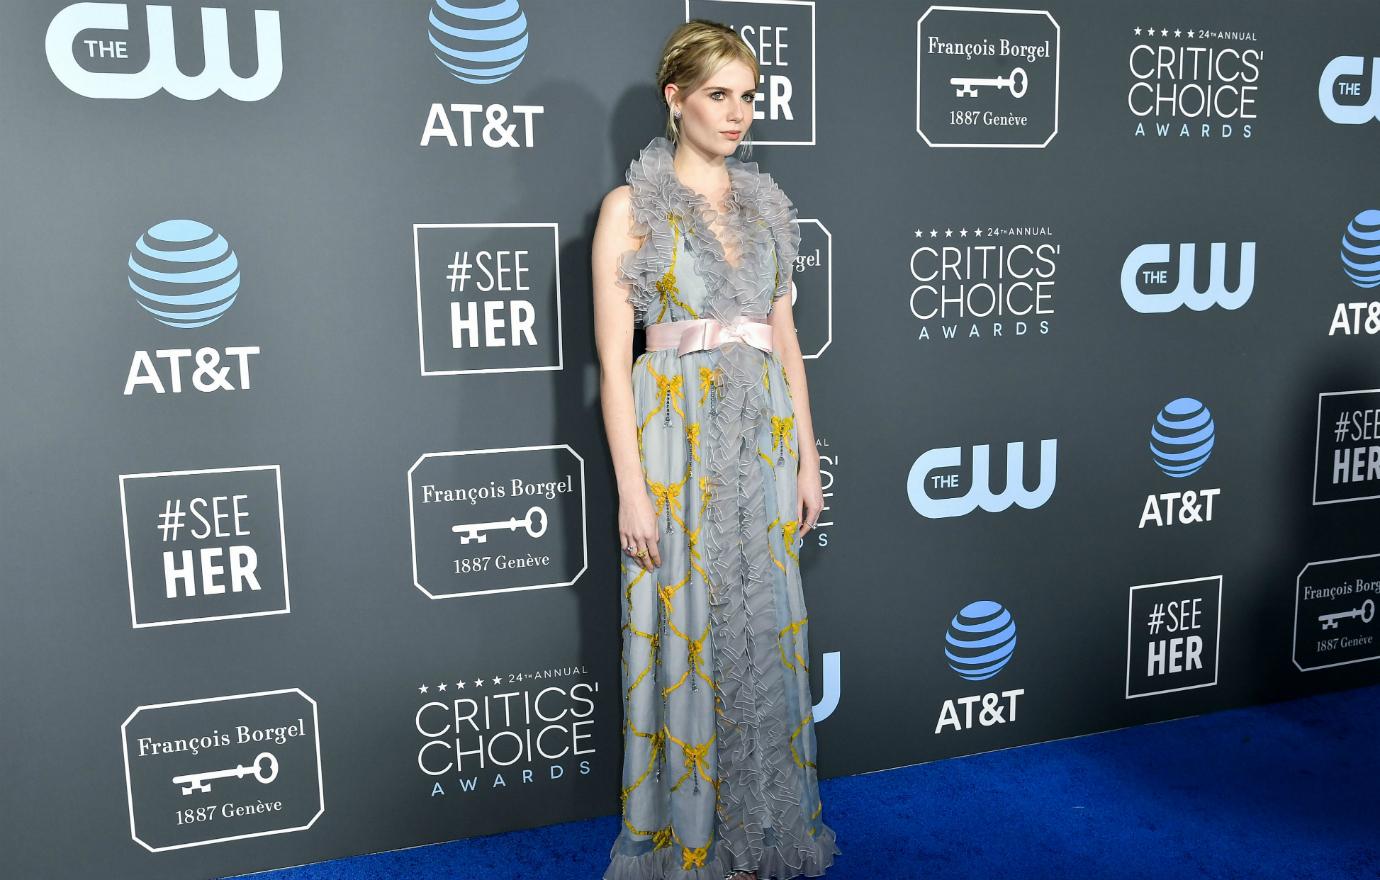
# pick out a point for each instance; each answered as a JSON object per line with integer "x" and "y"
{"x": 675, "y": 129}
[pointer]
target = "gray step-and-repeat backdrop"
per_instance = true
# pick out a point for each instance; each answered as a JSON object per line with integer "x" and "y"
{"x": 309, "y": 522}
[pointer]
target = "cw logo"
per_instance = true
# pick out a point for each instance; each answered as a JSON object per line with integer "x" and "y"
{"x": 1330, "y": 87}
{"x": 161, "y": 71}
{"x": 979, "y": 492}
{"x": 1186, "y": 293}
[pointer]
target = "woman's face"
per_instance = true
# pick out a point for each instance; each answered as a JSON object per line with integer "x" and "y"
{"x": 716, "y": 116}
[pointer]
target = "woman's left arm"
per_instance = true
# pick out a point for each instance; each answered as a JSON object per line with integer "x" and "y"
{"x": 786, "y": 344}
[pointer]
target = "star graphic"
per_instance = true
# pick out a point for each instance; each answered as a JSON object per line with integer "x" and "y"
{"x": 497, "y": 680}
{"x": 919, "y": 233}
{"x": 963, "y": 233}
{"x": 1164, "y": 32}
{"x": 934, "y": 233}
{"x": 948, "y": 233}
{"x": 1178, "y": 32}
{"x": 460, "y": 685}
{"x": 479, "y": 682}
{"x": 422, "y": 689}
{"x": 1137, "y": 30}
{"x": 441, "y": 686}
{"x": 977, "y": 232}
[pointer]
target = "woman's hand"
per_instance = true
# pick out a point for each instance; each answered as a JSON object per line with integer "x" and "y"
{"x": 637, "y": 528}
{"x": 809, "y": 494}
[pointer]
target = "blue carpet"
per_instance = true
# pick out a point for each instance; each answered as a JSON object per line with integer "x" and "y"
{"x": 1287, "y": 790}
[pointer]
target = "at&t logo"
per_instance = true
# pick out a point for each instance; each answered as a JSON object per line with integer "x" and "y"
{"x": 922, "y": 479}
{"x": 1346, "y": 94}
{"x": 186, "y": 275}
{"x": 978, "y": 644}
{"x": 479, "y": 42}
{"x": 1148, "y": 268}
{"x": 1361, "y": 262}
{"x": 1181, "y": 441}
{"x": 71, "y": 52}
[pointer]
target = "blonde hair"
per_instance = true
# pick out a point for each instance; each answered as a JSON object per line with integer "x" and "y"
{"x": 692, "y": 53}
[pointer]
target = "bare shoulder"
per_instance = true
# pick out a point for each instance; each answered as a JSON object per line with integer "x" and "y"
{"x": 618, "y": 201}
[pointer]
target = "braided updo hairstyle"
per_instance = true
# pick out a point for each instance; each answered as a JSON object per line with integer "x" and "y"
{"x": 693, "y": 52}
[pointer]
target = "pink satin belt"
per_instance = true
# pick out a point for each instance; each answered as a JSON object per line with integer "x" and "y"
{"x": 702, "y": 333}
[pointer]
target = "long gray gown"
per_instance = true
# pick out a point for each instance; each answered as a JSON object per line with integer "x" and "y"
{"x": 718, "y": 737}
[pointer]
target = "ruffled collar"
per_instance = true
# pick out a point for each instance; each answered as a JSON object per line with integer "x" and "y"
{"x": 746, "y": 185}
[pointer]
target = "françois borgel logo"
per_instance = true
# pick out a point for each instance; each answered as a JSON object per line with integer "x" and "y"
{"x": 978, "y": 644}
{"x": 223, "y": 768}
{"x": 1181, "y": 442}
{"x": 1360, "y": 256}
{"x": 1194, "y": 83}
{"x": 988, "y": 282}
{"x": 1346, "y": 460}
{"x": 1334, "y": 613}
{"x": 1172, "y": 636}
{"x": 512, "y": 729}
{"x": 95, "y": 51}
{"x": 1154, "y": 280}
{"x": 479, "y": 43}
{"x": 812, "y": 288}
{"x": 488, "y": 297}
{"x": 986, "y": 77}
{"x": 1349, "y": 89}
{"x": 186, "y": 276}
{"x": 781, "y": 34}
{"x": 497, "y": 520}
{"x": 204, "y": 545}
{"x": 937, "y": 487}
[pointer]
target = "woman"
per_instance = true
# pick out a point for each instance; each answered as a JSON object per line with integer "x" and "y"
{"x": 718, "y": 482}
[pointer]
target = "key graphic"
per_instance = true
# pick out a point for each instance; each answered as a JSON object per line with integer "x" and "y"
{"x": 1366, "y": 612}
{"x": 474, "y": 532}
{"x": 201, "y": 781}
{"x": 1015, "y": 83}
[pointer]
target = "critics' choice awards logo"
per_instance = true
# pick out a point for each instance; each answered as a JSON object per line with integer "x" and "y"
{"x": 94, "y": 50}
{"x": 1172, "y": 636}
{"x": 497, "y": 520}
{"x": 988, "y": 282}
{"x": 223, "y": 768}
{"x": 186, "y": 276}
{"x": 1346, "y": 460}
{"x": 1155, "y": 280}
{"x": 1349, "y": 89}
{"x": 937, "y": 487}
{"x": 479, "y": 43}
{"x": 1360, "y": 255}
{"x": 978, "y": 644}
{"x": 1181, "y": 442}
{"x": 1194, "y": 83}
{"x": 781, "y": 34}
{"x": 1334, "y": 613}
{"x": 488, "y": 297}
{"x": 204, "y": 545}
{"x": 986, "y": 77}
{"x": 515, "y": 728}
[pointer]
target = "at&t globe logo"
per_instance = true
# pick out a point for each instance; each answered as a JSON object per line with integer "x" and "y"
{"x": 978, "y": 644}
{"x": 184, "y": 273}
{"x": 478, "y": 42}
{"x": 980, "y": 640}
{"x": 1361, "y": 263}
{"x": 1361, "y": 249}
{"x": 1181, "y": 438}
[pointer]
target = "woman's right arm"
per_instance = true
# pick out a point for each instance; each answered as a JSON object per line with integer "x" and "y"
{"x": 613, "y": 334}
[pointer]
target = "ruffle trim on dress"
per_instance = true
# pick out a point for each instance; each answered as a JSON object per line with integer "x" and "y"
{"x": 776, "y": 863}
{"x": 657, "y": 194}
